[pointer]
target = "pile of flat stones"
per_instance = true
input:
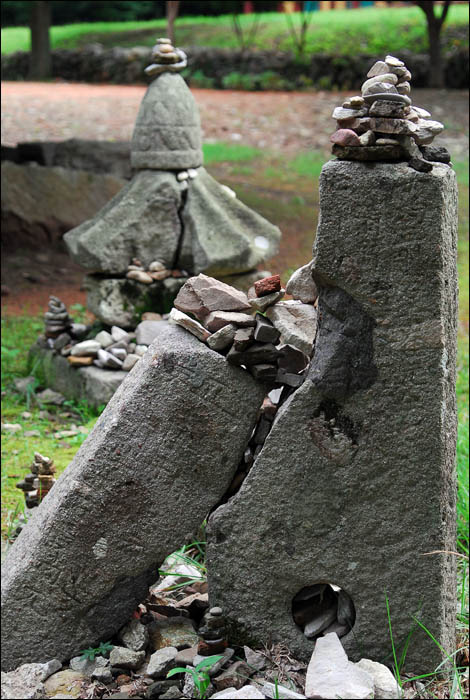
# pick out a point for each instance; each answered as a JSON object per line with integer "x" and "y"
{"x": 156, "y": 271}
{"x": 37, "y": 484}
{"x": 382, "y": 124}
{"x": 59, "y": 327}
{"x": 115, "y": 349}
{"x": 165, "y": 57}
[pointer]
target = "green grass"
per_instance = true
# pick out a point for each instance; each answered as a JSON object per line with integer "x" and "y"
{"x": 220, "y": 152}
{"x": 374, "y": 31}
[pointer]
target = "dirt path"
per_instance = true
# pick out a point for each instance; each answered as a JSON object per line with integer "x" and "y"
{"x": 285, "y": 122}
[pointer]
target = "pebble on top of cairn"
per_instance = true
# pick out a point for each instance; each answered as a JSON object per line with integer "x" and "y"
{"x": 39, "y": 482}
{"x": 382, "y": 124}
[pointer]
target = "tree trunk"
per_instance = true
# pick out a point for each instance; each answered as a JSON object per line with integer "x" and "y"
{"x": 436, "y": 72}
{"x": 40, "y": 57}
{"x": 172, "y": 8}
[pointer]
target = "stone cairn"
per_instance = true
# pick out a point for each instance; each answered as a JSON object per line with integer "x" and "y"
{"x": 212, "y": 633}
{"x": 382, "y": 124}
{"x": 272, "y": 339}
{"x": 115, "y": 349}
{"x": 39, "y": 482}
{"x": 171, "y": 217}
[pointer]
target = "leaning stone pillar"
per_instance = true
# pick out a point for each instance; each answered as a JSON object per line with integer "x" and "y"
{"x": 355, "y": 485}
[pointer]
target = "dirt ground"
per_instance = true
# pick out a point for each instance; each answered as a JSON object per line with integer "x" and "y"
{"x": 283, "y": 123}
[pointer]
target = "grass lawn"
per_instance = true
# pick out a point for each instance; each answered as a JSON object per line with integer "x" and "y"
{"x": 373, "y": 31}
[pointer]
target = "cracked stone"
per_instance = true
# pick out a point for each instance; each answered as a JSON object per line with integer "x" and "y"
{"x": 297, "y": 323}
{"x": 188, "y": 323}
{"x": 218, "y": 319}
{"x": 202, "y": 294}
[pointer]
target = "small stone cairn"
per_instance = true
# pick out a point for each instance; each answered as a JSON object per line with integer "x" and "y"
{"x": 381, "y": 124}
{"x": 115, "y": 349}
{"x": 212, "y": 633}
{"x": 39, "y": 482}
{"x": 271, "y": 339}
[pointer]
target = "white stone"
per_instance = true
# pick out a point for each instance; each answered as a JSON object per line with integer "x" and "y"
{"x": 126, "y": 658}
{"x": 384, "y": 78}
{"x": 190, "y": 324}
{"x": 422, "y": 113}
{"x": 271, "y": 690}
{"x": 231, "y": 193}
{"x": 161, "y": 662}
{"x": 379, "y": 68}
{"x": 301, "y": 285}
{"x": 296, "y": 322}
{"x": 85, "y": 348}
{"x": 134, "y": 635}
{"x": 104, "y": 339}
{"x": 120, "y": 353}
{"x": 183, "y": 175}
{"x": 130, "y": 361}
{"x": 385, "y": 685}
{"x": 139, "y": 276}
{"x": 331, "y": 675}
{"x": 119, "y": 334}
{"x": 395, "y": 62}
{"x": 140, "y": 350}
{"x": 24, "y": 682}
{"x": 192, "y": 172}
{"x": 248, "y": 692}
{"x": 157, "y": 266}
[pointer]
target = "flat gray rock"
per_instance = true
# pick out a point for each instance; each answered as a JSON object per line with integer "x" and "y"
{"x": 301, "y": 285}
{"x": 202, "y": 294}
{"x": 146, "y": 332}
{"x": 331, "y": 675}
{"x": 139, "y": 486}
{"x": 297, "y": 323}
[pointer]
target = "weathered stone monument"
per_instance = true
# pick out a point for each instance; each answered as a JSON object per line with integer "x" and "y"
{"x": 355, "y": 484}
{"x": 333, "y": 497}
{"x": 172, "y": 212}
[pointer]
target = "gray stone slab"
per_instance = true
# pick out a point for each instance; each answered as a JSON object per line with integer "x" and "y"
{"x": 162, "y": 454}
{"x": 91, "y": 383}
{"x": 358, "y": 502}
{"x": 222, "y": 236}
{"x": 140, "y": 221}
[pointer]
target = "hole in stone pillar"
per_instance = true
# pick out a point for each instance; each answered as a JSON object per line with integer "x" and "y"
{"x": 323, "y": 608}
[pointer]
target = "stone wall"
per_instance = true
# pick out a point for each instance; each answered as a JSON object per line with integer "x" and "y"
{"x": 94, "y": 64}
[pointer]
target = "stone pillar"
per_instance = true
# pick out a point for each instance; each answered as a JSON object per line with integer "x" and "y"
{"x": 355, "y": 484}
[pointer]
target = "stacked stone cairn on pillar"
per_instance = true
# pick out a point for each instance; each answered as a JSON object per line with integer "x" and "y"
{"x": 382, "y": 124}
{"x": 270, "y": 338}
{"x": 172, "y": 220}
{"x": 37, "y": 484}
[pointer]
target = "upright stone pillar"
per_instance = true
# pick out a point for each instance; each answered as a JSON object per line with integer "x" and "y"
{"x": 355, "y": 485}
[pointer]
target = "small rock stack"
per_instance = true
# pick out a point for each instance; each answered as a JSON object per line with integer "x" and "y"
{"x": 382, "y": 124}
{"x": 156, "y": 271}
{"x": 56, "y": 318}
{"x": 213, "y": 633}
{"x": 166, "y": 58}
{"x": 274, "y": 344}
{"x": 60, "y": 329}
{"x": 39, "y": 482}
